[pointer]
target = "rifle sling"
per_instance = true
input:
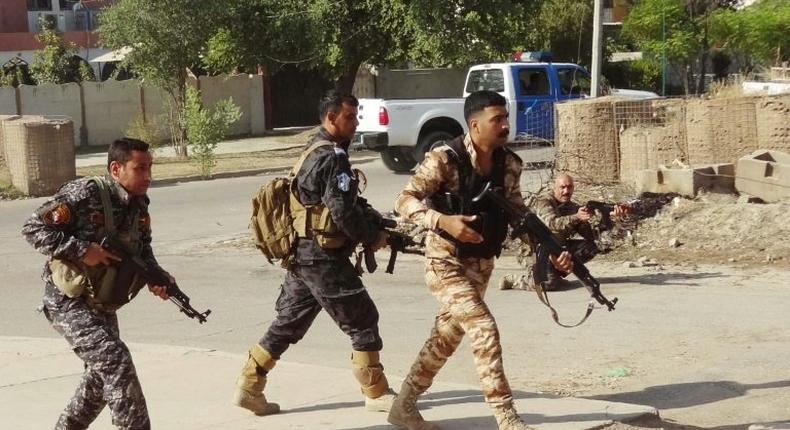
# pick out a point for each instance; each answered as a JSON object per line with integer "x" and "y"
{"x": 543, "y": 296}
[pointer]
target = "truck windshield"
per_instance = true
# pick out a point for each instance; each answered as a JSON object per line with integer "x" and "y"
{"x": 491, "y": 80}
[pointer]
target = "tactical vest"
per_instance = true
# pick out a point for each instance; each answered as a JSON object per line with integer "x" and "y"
{"x": 101, "y": 286}
{"x": 491, "y": 221}
{"x": 314, "y": 221}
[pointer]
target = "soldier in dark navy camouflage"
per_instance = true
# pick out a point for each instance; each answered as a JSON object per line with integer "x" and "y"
{"x": 322, "y": 276}
{"x": 68, "y": 229}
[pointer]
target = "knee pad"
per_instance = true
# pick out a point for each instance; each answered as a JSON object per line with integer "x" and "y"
{"x": 369, "y": 373}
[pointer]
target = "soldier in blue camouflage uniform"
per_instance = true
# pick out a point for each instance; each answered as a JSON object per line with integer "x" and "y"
{"x": 322, "y": 276}
{"x": 68, "y": 229}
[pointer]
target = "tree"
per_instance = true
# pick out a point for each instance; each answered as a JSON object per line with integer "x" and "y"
{"x": 57, "y": 62}
{"x": 761, "y": 31}
{"x": 167, "y": 38}
{"x": 563, "y": 27}
{"x": 679, "y": 29}
{"x": 334, "y": 37}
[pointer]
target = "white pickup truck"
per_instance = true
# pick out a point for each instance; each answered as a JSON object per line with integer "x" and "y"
{"x": 404, "y": 129}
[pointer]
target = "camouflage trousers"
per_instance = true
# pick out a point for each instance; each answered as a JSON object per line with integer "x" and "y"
{"x": 333, "y": 286}
{"x": 460, "y": 287}
{"x": 110, "y": 377}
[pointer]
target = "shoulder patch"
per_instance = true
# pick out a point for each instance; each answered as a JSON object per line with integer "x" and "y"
{"x": 57, "y": 214}
{"x": 344, "y": 182}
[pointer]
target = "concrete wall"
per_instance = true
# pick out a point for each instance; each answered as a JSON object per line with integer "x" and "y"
{"x": 55, "y": 100}
{"x": 365, "y": 84}
{"x": 110, "y": 107}
{"x": 156, "y": 112}
{"x": 7, "y": 101}
{"x": 417, "y": 83}
{"x": 247, "y": 94}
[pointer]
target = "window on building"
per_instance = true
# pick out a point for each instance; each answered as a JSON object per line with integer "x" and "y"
{"x": 534, "y": 82}
{"x": 39, "y": 5}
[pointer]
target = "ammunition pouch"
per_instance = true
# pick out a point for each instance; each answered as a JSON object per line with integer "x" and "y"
{"x": 315, "y": 222}
{"x": 70, "y": 279}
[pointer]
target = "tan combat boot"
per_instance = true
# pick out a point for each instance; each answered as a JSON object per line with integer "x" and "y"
{"x": 370, "y": 374}
{"x": 249, "y": 391}
{"x": 404, "y": 411}
{"x": 507, "y": 418}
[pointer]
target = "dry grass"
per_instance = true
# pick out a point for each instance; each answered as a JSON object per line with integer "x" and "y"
{"x": 726, "y": 89}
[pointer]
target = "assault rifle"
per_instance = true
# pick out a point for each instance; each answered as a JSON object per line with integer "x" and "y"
{"x": 131, "y": 264}
{"x": 397, "y": 242}
{"x": 605, "y": 209}
{"x": 547, "y": 245}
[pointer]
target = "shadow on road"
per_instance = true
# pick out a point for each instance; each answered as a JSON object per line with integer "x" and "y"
{"x": 684, "y": 395}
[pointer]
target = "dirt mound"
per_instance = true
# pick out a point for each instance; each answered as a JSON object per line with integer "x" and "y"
{"x": 711, "y": 229}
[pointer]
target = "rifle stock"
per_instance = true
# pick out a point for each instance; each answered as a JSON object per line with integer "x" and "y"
{"x": 547, "y": 244}
{"x": 154, "y": 277}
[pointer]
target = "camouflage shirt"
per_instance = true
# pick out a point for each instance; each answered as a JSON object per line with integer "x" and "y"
{"x": 559, "y": 217}
{"x": 66, "y": 224}
{"x": 437, "y": 172}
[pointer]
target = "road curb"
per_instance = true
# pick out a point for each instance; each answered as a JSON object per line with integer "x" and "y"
{"x": 242, "y": 173}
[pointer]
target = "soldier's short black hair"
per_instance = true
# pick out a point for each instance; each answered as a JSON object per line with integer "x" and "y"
{"x": 479, "y": 100}
{"x": 121, "y": 150}
{"x": 333, "y": 102}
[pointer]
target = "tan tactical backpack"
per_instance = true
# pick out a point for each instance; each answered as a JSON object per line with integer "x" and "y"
{"x": 278, "y": 217}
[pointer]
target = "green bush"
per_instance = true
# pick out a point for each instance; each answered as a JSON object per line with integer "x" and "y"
{"x": 205, "y": 128}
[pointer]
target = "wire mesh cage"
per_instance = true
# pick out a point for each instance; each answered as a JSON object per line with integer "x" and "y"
{"x": 650, "y": 133}
{"x": 586, "y": 140}
{"x": 40, "y": 152}
{"x": 720, "y": 130}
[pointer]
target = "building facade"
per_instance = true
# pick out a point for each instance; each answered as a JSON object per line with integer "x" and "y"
{"x": 76, "y": 19}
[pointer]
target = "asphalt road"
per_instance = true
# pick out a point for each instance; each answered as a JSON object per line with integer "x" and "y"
{"x": 707, "y": 345}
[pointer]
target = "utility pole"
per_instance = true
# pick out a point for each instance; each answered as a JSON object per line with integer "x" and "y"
{"x": 596, "y": 48}
{"x": 663, "y": 51}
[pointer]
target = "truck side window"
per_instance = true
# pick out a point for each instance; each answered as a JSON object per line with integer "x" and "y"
{"x": 573, "y": 81}
{"x": 533, "y": 82}
{"x": 491, "y": 80}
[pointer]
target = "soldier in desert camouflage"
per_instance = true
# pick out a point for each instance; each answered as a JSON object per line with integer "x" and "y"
{"x": 463, "y": 240}
{"x": 566, "y": 219}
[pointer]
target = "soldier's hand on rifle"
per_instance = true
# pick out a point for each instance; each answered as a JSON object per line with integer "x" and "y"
{"x": 621, "y": 209}
{"x": 381, "y": 241}
{"x": 583, "y": 213}
{"x": 96, "y": 255}
{"x": 457, "y": 227}
{"x": 161, "y": 290}
{"x": 563, "y": 263}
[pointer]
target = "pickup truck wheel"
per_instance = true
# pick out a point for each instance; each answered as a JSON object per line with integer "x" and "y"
{"x": 427, "y": 142}
{"x": 398, "y": 158}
